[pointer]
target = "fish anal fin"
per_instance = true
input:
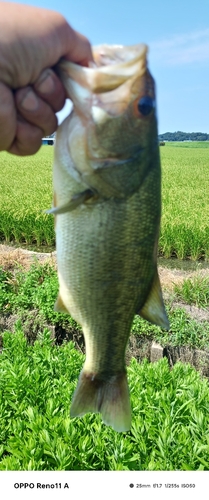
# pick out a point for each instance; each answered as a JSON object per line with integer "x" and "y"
{"x": 108, "y": 397}
{"x": 59, "y": 306}
{"x": 154, "y": 309}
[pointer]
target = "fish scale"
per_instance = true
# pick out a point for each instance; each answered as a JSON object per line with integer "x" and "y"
{"x": 107, "y": 226}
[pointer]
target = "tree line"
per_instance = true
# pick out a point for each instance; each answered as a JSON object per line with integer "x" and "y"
{"x": 183, "y": 136}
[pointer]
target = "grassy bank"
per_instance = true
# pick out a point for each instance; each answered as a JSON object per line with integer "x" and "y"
{"x": 37, "y": 379}
{"x": 29, "y": 297}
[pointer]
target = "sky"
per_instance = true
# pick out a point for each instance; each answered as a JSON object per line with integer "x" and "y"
{"x": 177, "y": 34}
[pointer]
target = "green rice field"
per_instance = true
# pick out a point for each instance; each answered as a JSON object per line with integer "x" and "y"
{"x": 185, "y": 211}
{"x": 26, "y": 191}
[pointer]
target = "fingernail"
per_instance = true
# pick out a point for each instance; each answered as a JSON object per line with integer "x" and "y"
{"x": 30, "y": 101}
{"x": 45, "y": 83}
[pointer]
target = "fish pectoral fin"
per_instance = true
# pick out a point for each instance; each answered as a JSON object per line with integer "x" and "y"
{"x": 59, "y": 306}
{"x": 108, "y": 397}
{"x": 154, "y": 309}
{"x": 75, "y": 201}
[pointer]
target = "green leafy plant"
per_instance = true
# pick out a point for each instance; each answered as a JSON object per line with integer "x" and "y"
{"x": 170, "y": 423}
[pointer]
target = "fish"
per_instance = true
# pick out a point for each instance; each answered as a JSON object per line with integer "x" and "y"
{"x": 107, "y": 208}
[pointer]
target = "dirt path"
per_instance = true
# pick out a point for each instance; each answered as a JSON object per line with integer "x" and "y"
{"x": 10, "y": 257}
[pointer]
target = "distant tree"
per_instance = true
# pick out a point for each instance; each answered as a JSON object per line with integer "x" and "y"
{"x": 183, "y": 136}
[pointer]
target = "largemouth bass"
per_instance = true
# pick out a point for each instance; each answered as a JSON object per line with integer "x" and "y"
{"x": 107, "y": 205}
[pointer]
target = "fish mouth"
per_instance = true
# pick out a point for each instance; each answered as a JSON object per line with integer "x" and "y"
{"x": 113, "y": 66}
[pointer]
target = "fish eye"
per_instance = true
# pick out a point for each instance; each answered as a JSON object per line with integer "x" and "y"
{"x": 145, "y": 105}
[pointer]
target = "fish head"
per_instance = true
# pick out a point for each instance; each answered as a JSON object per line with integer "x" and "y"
{"x": 124, "y": 117}
{"x": 114, "y": 107}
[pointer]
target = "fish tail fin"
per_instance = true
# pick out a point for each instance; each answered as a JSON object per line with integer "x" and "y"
{"x": 108, "y": 397}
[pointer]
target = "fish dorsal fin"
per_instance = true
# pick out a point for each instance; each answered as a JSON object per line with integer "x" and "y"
{"x": 154, "y": 309}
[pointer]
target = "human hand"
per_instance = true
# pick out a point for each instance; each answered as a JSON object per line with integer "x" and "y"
{"x": 32, "y": 40}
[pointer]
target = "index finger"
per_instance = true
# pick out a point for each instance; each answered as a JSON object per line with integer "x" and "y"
{"x": 79, "y": 49}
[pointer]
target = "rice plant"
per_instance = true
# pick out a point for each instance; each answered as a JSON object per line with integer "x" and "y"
{"x": 185, "y": 208}
{"x": 26, "y": 191}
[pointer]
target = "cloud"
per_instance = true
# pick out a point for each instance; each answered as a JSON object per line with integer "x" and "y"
{"x": 187, "y": 48}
